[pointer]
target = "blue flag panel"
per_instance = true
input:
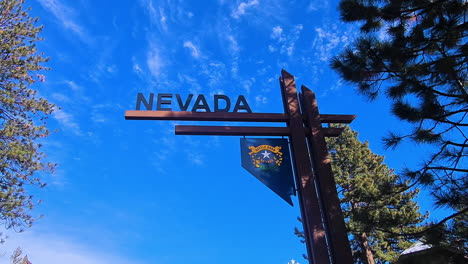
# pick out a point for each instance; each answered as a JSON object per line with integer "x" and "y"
{"x": 269, "y": 161}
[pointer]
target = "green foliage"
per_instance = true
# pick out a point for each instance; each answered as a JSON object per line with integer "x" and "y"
{"x": 381, "y": 217}
{"x": 22, "y": 114}
{"x": 376, "y": 205}
{"x": 415, "y": 53}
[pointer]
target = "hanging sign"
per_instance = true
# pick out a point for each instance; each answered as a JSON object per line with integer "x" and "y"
{"x": 268, "y": 160}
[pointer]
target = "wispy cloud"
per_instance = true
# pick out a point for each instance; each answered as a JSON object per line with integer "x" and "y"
{"x": 102, "y": 69}
{"x": 192, "y": 48}
{"x": 234, "y": 50}
{"x": 317, "y": 5}
{"x": 163, "y": 18}
{"x": 215, "y": 72}
{"x": 277, "y": 33}
{"x": 242, "y": 7}
{"x": 247, "y": 85}
{"x": 233, "y": 44}
{"x": 67, "y": 121}
{"x": 196, "y": 158}
{"x": 327, "y": 40}
{"x": 228, "y": 38}
{"x": 73, "y": 85}
{"x": 157, "y": 15}
{"x": 333, "y": 88}
{"x": 58, "y": 97}
{"x": 98, "y": 112}
{"x": 65, "y": 15}
{"x": 260, "y": 99}
{"x": 57, "y": 249}
{"x": 285, "y": 43}
{"x": 136, "y": 67}
{"x": 191, "y": 153}
{"x": 194, "y": 86}
{"x": 154, "y": 62}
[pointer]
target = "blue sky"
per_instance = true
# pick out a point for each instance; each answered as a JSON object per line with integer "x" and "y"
{"x": 132, "y": 191}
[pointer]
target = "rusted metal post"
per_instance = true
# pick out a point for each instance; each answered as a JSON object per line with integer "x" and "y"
{"x": 335, "y": 226}
{"x": 310, "y": 211}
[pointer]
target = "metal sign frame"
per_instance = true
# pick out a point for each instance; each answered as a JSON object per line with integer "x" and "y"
{"x": 324, "y": 227}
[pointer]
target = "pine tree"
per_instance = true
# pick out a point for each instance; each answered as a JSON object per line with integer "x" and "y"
{"x": 375, "y": 203}
{"x": 22, "y": 114}
{"x": 17, "y": 257}
{"x": 415, "y": 53}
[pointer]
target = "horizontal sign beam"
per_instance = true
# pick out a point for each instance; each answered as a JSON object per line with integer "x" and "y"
{"x": 231, "y": 130}
{"x": 342, "y": 119}
{"x": 245, "y": 131}
{"x": 225, "y": 116}
{"x": 204, "y": 116}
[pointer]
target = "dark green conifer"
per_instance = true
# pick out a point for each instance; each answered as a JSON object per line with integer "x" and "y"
{"x": 416, "y": 54}
{"x": 377, "y": 206}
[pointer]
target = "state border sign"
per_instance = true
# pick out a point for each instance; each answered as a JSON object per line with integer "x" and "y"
{"x": 324, "y": 227}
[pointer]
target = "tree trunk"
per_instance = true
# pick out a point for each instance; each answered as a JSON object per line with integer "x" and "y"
{"x": 367, "y": 249}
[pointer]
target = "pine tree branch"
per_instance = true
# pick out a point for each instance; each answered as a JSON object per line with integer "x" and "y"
{"x": 446, "y": 121}
{"x": 429, "y": 6}
{"x": 446, "y": 169}
{"x": 453, "y": 72}
{"x": 447, "y": 95}
{"x": 464, "y": 110}
{"x": 429, "y": 228}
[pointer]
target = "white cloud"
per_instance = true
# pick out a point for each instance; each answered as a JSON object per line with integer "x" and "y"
{"x": 101, "y": 70}
{"x": 234, "y": 50}
{"x": 137, "y": 68}
{"x": 60, "y": 98}
{"x": 215, "y": 72}
{"x": 163, "y": 19}
{"x": 64, "y": 14}
{"x": 277, "y": 32}
{"x": 271, "y": 48}
{"x": 67, "y": 121}
{"x": 326, "y": 40}
{"x": 333, "y": 89}
{"x": 260, "y": 99}
{"x": 98, "y": 112}
{"x": 73, "y": 85}
{"x": 195, "y": 158}
{"x": 193, "y": 49}
{"x": 233, "y": 45}
{"x": 317, "y": 5}
{"x": 241, "y": 8}
{"x": 152, "y": 11}
{"x": 228, "y": 38}
{"x": 154, "y": 62}
{"x": 157, "y": 16}
{"x": 294, "y": 37}
{"x": 194, "y": 86}
{"x": 111, "y": 68}
{"x": 247, "y": 85}
{"x": 56, "y": 249}
{"x": 285, "y": 44}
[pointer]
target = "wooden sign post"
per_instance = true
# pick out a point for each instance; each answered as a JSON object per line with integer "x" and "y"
{"x": 324, "y": 227}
